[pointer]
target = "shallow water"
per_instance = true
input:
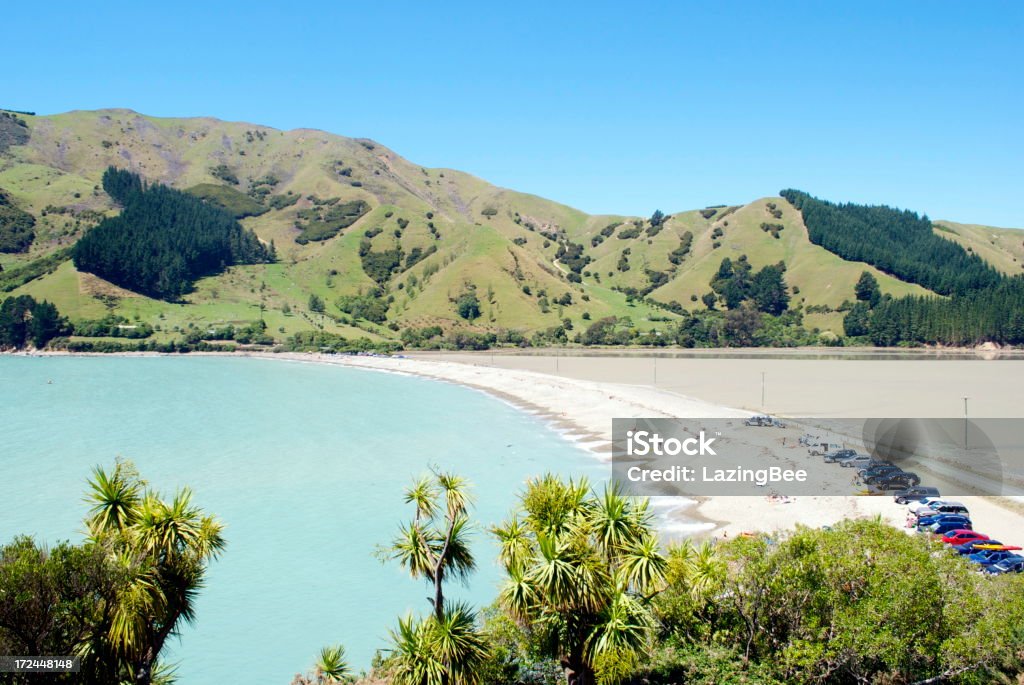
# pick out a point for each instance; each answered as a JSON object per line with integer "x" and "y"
{"x": 304, "y": 463}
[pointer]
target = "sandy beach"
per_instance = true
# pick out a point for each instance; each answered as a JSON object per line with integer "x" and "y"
{"x": 580, "y": 395}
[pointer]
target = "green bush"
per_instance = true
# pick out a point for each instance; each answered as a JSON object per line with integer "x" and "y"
{"x": 16, "y": 226}
{"x": 238, "y": 204}
{"x": 223, "y": 172}
{"x": 370, "y": 306}
{"x": 468, "y": 305}
{"x": 325, "y": 222}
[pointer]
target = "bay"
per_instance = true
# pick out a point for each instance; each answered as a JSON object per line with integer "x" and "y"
{"x": 305, "y": 464}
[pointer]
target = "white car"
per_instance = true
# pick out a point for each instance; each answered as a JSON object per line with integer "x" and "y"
{"x": 914, "y": 507}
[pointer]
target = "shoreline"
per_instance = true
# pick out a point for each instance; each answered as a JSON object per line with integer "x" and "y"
{"x": 581, "y": 412}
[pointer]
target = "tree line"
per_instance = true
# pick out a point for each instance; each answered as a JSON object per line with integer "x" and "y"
{"x": 982, "y": 305}
{"x": 900, "y": 243}
{"x": 164, "y": 239}
{"x": 24, "y": 322}
{"x": 993, "y": 314}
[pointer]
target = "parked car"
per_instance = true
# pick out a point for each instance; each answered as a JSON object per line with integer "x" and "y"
{"x": 925, "y": 521}
{"x": 968, "y": 547}
{"x": 883, "y": 474}
{"x": 875, "y": 469}
{"x": 835, "y": 455}
{"x": 765, "y": 421}
{"x": 823, "y": 447}
{"x": 943, "y": 507}
{"x": 856, "y": 461}
{"x": 987, "y": 557}
{"x": 954, "y": 536}
{"x": 942, "y": 528}
{"x": 928, "y": 519}
{"x": 917, "y": 494}
{"x": 898, "y": 481}
{"x": 1014, "y": 564}
{"x": 924, "y": 504}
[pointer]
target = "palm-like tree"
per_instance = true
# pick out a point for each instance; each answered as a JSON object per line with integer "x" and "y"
{"x": 332, "y": 666}
{"x": 434, "y": 545}
{"x": 445, "y": 648}
{"x": 581, "y": 570}
{"x": 697, "y": 570}
{"x": 162, "y": 549}
{"x": 414, "y": 661}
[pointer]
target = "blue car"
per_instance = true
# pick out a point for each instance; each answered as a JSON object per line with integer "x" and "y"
{"x": 968, "y": 547}
{"x": 943, "y": 527}
{"x": 1013, "y": 564}
{"x": 926, "y": 521}
{"x": 987, "y": 557}
{"x": 937, "y": 518}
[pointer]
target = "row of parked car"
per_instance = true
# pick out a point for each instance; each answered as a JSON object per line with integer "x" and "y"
{"x": 952, "y": 520}
{"x": 926, "y": 510}
{"x": 879, "y": 475}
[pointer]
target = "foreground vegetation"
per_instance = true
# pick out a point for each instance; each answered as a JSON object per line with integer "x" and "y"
{"x": 116, "y": 598}
{"x": 591, "y": 597}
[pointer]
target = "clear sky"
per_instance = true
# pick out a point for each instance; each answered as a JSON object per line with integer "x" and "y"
{"x": 610, "y": 107}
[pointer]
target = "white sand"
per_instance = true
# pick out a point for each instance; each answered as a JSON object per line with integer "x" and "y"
{"x": 587, "y": 407}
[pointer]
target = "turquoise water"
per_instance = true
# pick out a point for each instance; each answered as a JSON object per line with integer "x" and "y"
{"x": 304, "y": 463}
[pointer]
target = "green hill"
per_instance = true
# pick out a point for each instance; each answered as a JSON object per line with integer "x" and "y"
{"x": 349, "y": 215}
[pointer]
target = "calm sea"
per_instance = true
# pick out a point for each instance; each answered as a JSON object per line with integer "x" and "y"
{"x": 304, "y": 463}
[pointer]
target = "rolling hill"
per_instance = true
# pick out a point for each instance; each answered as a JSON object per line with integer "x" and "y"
{"x": 350, "y": 217}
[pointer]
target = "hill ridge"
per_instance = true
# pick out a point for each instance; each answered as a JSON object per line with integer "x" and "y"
{"x": 431, "y": 237}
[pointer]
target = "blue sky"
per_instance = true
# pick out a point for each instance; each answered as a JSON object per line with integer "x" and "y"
{"x": 609, "y": 107}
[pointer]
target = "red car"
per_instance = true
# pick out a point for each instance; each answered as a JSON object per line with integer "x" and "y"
{"x": 962, "y": 535}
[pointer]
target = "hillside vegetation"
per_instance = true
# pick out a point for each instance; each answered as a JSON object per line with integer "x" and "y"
{"x": 163, "y": 239}
{"x": 16, "y": 234}
{"x": 900, "y": 243}
{"x": 446, "y": 257}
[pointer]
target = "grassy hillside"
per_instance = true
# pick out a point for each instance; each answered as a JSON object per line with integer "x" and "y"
{"x": 443, "y": 232}
{"x": 1003, "y": 248}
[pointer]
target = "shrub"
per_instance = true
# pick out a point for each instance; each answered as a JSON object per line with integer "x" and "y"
{"x": 238, "y": 204}
{"x": 372, "y": 306}
{"x": 468, "y": 305}
{"x": 629, "y": 233}
{"x": 223, "y": 172}
{"x": 323, "y": 223}
{"x": 16, "y": 226}
{"x": 282, "y": 201}
{"x": 379, "y": 265}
